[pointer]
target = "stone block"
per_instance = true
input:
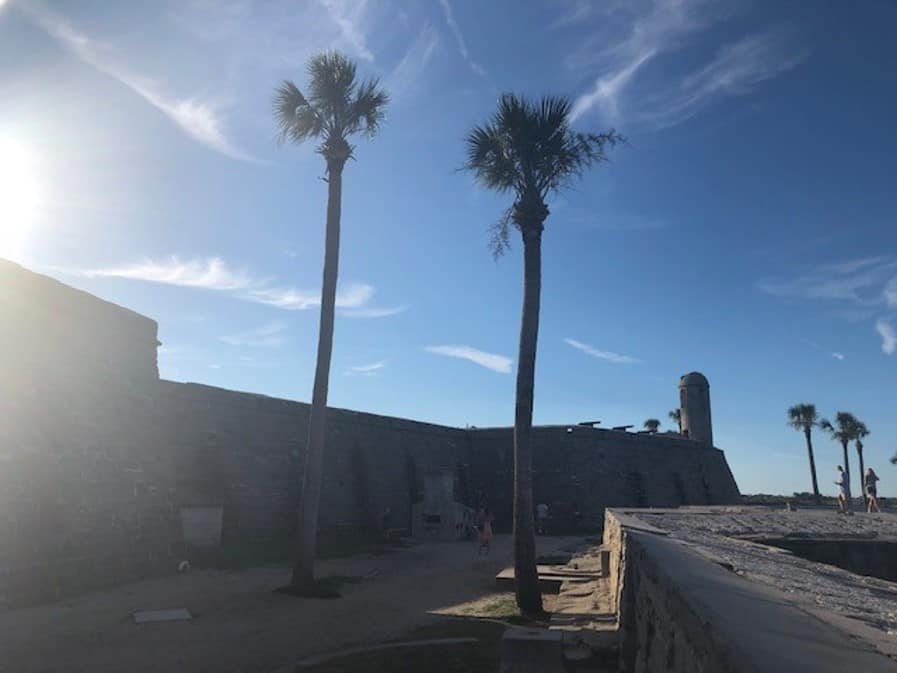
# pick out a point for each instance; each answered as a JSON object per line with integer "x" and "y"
{"x": 525, "y": 650}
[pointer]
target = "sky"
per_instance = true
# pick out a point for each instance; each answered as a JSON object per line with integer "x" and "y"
{"x": 747, "y": 229}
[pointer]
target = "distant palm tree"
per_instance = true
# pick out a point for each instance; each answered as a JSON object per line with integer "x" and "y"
{"x": 337, "y": 106}
{"x": 844, "y": 431}
{"x": 652, "y": 425}
{"x": 676, "y": 415}
{"x": 860, "y": 432}
{"x": 803, "y": 417}
{"x": 529, "y": 150}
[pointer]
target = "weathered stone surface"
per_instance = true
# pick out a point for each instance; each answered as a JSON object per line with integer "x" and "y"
{"x": 98, "y": 455}
{"x": 697, "y": 599}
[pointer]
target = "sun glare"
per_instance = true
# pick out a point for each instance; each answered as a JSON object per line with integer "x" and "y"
{"x": 18, "y": 195}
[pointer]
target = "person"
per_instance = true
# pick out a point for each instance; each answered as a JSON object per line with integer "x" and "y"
{"x": 843, "y": 490}
{"x": 872, "y": 491}
{"x": 541, "y": 518}
{"x": 484, "y": 525}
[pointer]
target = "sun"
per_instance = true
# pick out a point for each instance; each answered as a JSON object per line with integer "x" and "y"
{"x": 18, "y": 195}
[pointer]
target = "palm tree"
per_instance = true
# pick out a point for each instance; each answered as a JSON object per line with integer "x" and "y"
{"x": 844, "y": 431}
{"x": 676, "y": 415}
{"x": 337, "y": 107}
{"x": 529, "y": 150}
{"x": 861, "y": 431}
{"x": 803, "y": 417}
{"x": 651, "y": 425}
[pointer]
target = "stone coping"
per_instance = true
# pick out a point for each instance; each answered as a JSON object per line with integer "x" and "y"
{"x": 699, "y": 544}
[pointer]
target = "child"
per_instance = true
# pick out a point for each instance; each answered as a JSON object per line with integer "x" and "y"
{"x": 485, "y": 528}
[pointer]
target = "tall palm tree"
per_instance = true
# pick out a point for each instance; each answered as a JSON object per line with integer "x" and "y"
{"x": 651, "y": 425}
{"x": 528, "y": 149}
{"x": 844, "y": 431}
{"x": 861, "y": 431}
{"x": 803, "y": 417}
{"x": 337, "y": 106}
{"x": 676, "y": 415}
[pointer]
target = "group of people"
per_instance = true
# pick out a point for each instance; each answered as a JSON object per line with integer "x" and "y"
{"x": 870, "y": 484}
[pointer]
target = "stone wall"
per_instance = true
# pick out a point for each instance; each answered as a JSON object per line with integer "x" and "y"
{"x": 84, "y": 495}
{"x": 245, "y": 451}
{"x": 97, "y": 455}
{"x": 578, "y": 468}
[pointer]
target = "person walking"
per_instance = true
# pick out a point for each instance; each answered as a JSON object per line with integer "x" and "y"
{"x": 871, "y": 480}
{"x": 843, "y": 484}
{"x": 541, "y": 518}
{"x": 485, "y": 527}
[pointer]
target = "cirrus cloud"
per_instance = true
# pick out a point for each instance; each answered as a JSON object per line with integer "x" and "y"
{"x": 493, "y": 361}
{"x": 609, "y": 356}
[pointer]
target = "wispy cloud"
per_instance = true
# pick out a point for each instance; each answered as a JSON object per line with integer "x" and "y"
{"x": 863, "y": 281}
{"x": 647, "y": 31}
{"x": 372, "y": 369}
{"x": 736, "y": 70}
{"x": 201, "y": 120}
{"x": 860, "y": 288}
{"x": 459, "y": 38}
{"x": 650, "y": 30}
{"x": 372, "y": 312}
{"x": 890, "y": 292}
{"x": 497, "y": 363}
{"x": 213, "y": 273}
{"x": 888, "y": 336}
{"x": 600, "y": 354}
{"x": 353, "y": 296}
{"x": 834, "y": 354}
{"x": 270, "y": 335}
{"x": 406, "y": 74}
{"x": 347, "y": 16}
{"x": 607, "y": 89}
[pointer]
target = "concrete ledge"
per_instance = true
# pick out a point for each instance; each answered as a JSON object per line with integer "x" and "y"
{"x": 680, "y": 611}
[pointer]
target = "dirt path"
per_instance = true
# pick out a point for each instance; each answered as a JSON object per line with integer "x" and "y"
{"x": 239, "y": 625}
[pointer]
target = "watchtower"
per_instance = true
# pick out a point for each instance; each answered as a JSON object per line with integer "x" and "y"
{"x": 694, "y": 403}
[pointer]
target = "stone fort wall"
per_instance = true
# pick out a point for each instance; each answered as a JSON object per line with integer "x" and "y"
{"x": 97, "y": 455}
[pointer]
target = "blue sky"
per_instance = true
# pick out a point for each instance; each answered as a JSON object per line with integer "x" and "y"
{"x": 747, "y": 230}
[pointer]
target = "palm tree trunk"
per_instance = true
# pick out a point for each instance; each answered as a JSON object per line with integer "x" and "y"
{"x": 529, "y": 596}
{"x": 304, "y": 568}
{"x": 812, "y": 466}
{"x": 862, "y": 486}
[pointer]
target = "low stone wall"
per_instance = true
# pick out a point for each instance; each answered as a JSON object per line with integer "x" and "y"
{"x": 681, "y": 611}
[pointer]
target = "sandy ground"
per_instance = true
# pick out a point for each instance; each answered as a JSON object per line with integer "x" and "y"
{"x": 239, "y": 625}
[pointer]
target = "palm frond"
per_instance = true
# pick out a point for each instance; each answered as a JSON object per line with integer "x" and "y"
{"x": 332, "y": 87}
{"x": 336, "y": 105}
{"x": 489, "y": 158}
{"x": 296, "y": 120}
{"x": 366, "y": 110}
{"x": 500, "y": 235}
{"x": 802, "y": 416}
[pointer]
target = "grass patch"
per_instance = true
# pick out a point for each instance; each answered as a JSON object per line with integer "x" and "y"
{"x": 502, "y": 608}
{"x": 481, "y": 656}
